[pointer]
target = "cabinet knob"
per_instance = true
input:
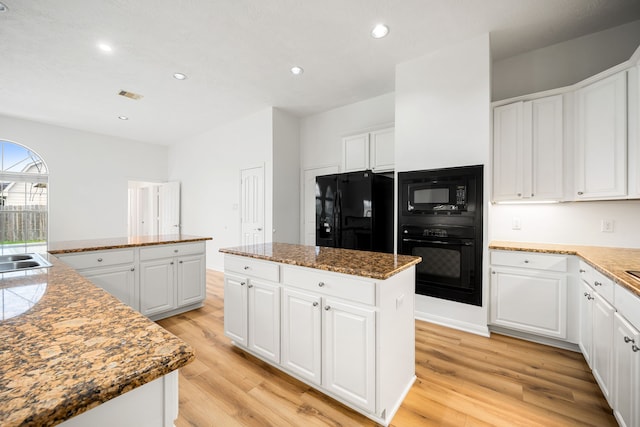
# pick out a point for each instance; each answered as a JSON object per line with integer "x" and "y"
{"x": 580, "y": 193}
{"x": 586, "y": 294}
{"x": 171, "y": 263}
{"x": 250, "y": 286}
{"x": 627, "y": 339}
{"x": 635, "y": 348}
{"x": 175, "y": 250}
{"x": 590, "y": 297}
{"x": 180, "y": 262}
{"x": 99, "y": 259}
{"x": 526, "y": 261}
{"x": 315, "y": 303}
{"x": 596, "y": 283}
{"x": 246, "y": 267}
{"x": 519, "y": 194}
{"x": 321, "y": 284}
{"x": 583, "y": 271}
{"x": 133, "y": 269}
{"x": 327, "y": 307}
{"x": 242, "y": 283}
{"x": 531, "y": 194}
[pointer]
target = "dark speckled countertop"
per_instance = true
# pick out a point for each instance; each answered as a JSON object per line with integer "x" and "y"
{"x": 70, "y": 246}
{"x": 375, "y": 265}
{"x": 66, "y": 345}
{"x": 612, "y": 262}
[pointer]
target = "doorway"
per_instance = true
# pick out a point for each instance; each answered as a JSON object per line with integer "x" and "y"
{"x": 154, "y": 208}
{"x": 252, "y": 205}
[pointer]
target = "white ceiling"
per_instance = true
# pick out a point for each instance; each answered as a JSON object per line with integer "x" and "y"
{"x": 237, "y": 54}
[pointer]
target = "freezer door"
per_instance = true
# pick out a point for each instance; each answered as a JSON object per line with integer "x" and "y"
{"x": 356, "y": 210}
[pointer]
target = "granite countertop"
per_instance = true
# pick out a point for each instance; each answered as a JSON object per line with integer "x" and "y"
{"x": 612, "y": 262}
{"x": 375, "y": 265}
{"x": 119, "y": 242}
{"x": 68, "y": 346}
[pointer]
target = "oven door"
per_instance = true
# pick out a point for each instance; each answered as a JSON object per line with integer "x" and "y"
{"x": 447, "y": 268}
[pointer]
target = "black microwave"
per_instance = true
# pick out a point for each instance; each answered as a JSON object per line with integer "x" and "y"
{"x": 450, "y": 191}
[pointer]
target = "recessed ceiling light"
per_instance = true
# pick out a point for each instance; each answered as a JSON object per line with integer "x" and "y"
{"x": 104, "y": 47}
{"x": 123, "y": 117}
{"x": 296, "y": 71}
{"x": 379, "y": 31}
{"x": 3, "y": 7}
{"x": 179, "y": 76}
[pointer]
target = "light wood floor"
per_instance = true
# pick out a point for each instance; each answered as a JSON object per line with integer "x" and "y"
{"x": 463, "y": 380}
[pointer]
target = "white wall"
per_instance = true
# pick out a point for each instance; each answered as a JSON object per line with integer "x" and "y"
{"x": 286, "y": 177}
{"x": 208, "y": 166}
{"x": 569, "y": 223}
{"x": 88, "y": 176}
{"x": 564, "y": 63}
{"x": 321, "y": 134}
{"x": 442, "y": 119}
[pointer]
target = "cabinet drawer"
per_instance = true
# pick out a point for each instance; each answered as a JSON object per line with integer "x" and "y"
{"x": 167, "y": 251}
{"x": 603, "y": 286}
{"x": 529, "y": 260}
{"x": 586, "y": 272}
{"x": 332, "y": 284}
{"x": 252, "y": 267}
{"x": 98, "y": 258}
{"x": 628, "y": 304}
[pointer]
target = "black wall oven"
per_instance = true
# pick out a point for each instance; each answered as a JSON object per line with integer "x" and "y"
{"x": 440, "y": 220}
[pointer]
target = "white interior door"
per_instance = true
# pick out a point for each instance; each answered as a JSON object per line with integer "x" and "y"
{"x": 147, "y": 211}
{"x": 252, "y": 205}
{"x": 169, "y": 208}
{"x": 309, "y": 217}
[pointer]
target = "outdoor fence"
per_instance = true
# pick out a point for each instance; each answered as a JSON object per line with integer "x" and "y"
{"x": 20, "y": 224}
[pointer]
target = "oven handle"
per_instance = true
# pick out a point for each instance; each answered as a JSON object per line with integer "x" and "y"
{"x": 440, "y": 242}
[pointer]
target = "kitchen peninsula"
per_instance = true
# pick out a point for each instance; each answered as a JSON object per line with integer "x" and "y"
{"x": 340, "y": 320}
{"x": 72, "y": 354}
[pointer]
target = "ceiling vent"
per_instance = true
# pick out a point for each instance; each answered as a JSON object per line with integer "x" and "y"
{"x": 130, "y": 95}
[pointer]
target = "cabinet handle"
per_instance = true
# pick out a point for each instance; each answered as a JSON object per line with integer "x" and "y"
{"x": 531, "y": 194}
{"x": 180, "y": 262}
{"x": 321, "y": 284}
{"x": 242, "y": 283}
{"x": 327, "y": 307}
{"x": 493, "y": 272}
{"x": 315, "y": 303}
{"x": 519, "y": 194}
{"x": 250, "y": 286}
{"x": 133, "y": 269}
{"x": 596, "y": 283}
{"x": 526, "y": 261}
{"x": 586, "y": 294}
{"x": 635, "y": 348}
{"x": 583, "y": 271}
{"x": 171, "y": 263}
{"x": 580, "y": 193}
{"x": 175, "y": 251}
{"x": 246, "y": 267}
{"x": 590, "y": 298}
{"x": 627, "y": 339}
{"x": 99, "y": 259}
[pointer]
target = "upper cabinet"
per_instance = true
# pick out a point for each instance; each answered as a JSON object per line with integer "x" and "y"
{"x": 528, "y": 146}
{"x": 601, "y": 139}
{"x": 633, "y": 79}
{"x": 372, "y": 150}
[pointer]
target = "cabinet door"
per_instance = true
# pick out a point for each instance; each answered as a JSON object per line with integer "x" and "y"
{"x": 355, "y": 153}
{"x": 602, "y": 364}
{"x": 507, "y": 152}
{"x": 601, "y": 145}
{"x": 381, "y": 148}
{"x": 157, "y": 286}
{"x": 546, "y": 133}
{"x": 626, "y": 372}
{"x": 264, "y": 319}
{"x": 586, "y": 322}
{"x": 235, "y": 308}
{"x": 119, "y": 282}
{"x": 301, "y": 334}
{"x": 634, "y": 131}
{"x": 529, "y": 300}
{"x": 191, "y": 280}
{"x": 349, "y": 352}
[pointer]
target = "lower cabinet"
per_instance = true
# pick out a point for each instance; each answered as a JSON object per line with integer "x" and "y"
{"x": 602, "y": 352}
{"x": 327, "y": 329}
{"x": 626, "y": 372}
{"x": 157, "y": 286}
{"x": 586, "y": 321}
{"x": 118, "y": 281}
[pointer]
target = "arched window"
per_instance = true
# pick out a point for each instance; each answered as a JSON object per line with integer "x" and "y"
{"x": 24, "y": 180}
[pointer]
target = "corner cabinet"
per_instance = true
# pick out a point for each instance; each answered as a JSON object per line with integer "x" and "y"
{"x": 528, "y": 144}
{"x": 350, "y": 337}
{"x": 158, "y": 281}
{"x": 601, "y": 139}
{"x": 369, "y": 151}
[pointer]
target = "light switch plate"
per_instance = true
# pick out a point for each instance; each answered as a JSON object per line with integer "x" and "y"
{"x": 606, "y": 226}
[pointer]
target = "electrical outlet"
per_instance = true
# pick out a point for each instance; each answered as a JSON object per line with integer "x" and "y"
{"x": 606, "y": 226}
{"x": 515, "y": 223}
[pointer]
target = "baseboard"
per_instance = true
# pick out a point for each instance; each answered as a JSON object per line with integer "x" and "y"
{"x": 454, "y": 324}
{"x": 536, "y": 338}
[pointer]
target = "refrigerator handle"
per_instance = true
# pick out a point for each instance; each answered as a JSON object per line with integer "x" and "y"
{"x": 337, "y": 220}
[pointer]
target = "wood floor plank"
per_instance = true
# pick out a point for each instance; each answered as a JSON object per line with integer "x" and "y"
{"x": 463, "y": 380}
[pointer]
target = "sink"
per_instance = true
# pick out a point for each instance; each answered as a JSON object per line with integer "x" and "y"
{"x": 20, "y": 262}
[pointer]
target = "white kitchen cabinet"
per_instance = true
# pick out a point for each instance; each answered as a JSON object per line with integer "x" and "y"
{"x": 626, "y": 372}
{"x": 348, "y": 336}
{"x": 586, "y": 322}
{"x": 172, "y": 279}
{"x": 602, "y": 352}
{"x": 633, "y": 125}
{"x": 528, "y": 144}
{"x": 112, "y": 270}
{"x": 349, "y": 352}
{"x": 372, "y": 150}
{"x": 601, "y": 139}
{"x": 529, "y": 293}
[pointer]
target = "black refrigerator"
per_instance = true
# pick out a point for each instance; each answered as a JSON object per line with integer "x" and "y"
{"x": 355, "y": 211}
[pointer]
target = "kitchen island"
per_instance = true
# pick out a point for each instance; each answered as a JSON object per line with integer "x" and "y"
{"x": 68, "y": 347}
{"x": 341, "y": 321}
